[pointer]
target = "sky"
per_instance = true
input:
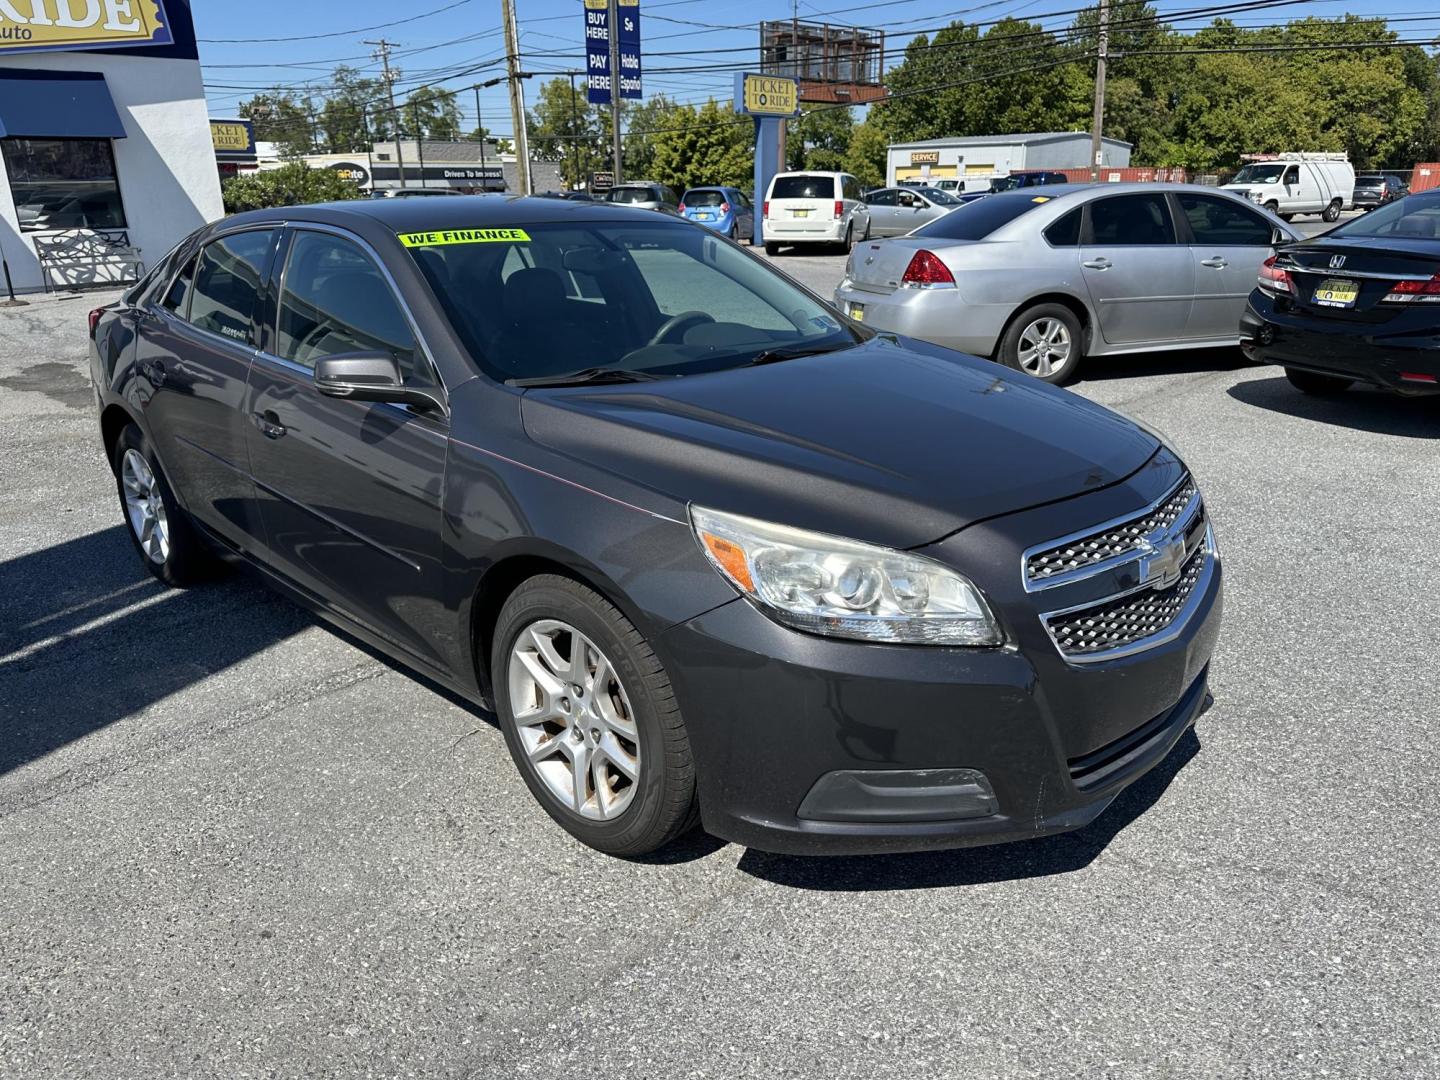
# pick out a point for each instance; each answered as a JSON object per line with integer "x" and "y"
{"x": 456, "y": 43}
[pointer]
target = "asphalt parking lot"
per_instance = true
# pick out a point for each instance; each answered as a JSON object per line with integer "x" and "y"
{"x": 237, "y": 844}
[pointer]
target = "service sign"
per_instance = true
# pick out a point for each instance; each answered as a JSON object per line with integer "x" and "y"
{"x": 35, "y": 25}
{"x": 924, "y": 157}
{"x": 766, "y": 95}
{"x": 230, "y": 138}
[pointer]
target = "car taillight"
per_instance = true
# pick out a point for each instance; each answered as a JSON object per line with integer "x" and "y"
{"x": 724, "y": 208}
{"x": 1273, "y": 279}
{"x": 1409, "y": 292}
{"x": 839, "y": 209}
{"x": 926, "y": 271}
{"x": 95, "y": 314}
{"x": 765, "y": 208}
{"x": 682, "y": 208}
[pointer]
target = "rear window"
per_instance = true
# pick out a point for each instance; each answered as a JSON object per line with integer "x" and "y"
{"x": 1375, "y": 181}
{"x": 977, "y": 220}
{"x": 704, "y": 197}
{"x": 632, "y": 195}
{"x": 803, "y": 187}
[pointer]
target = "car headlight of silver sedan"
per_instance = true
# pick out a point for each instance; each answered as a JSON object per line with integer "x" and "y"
{"x": 842, "y": 588}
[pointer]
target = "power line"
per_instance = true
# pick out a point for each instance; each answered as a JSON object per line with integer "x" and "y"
{"x": 335, "y": 33}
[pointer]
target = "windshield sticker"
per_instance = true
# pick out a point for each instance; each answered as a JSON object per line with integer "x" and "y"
{"x": 1041, "y": 198}
{"x": 825, "y": 322}
{"x": 464, "y": 236}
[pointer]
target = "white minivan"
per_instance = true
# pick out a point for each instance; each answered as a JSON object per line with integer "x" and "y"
{"x": 1293, "y": 184}
{"x": 814, "y": 208}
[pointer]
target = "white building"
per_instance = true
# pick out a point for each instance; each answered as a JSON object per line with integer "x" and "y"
{"x": 103, "y": 127}
{"x": 977, "y": 159}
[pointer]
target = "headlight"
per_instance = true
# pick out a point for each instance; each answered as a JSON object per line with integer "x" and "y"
{"x": 841, "y": 588}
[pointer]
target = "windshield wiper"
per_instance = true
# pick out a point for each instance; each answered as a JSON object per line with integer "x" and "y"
{"x": 586, "y": 376}
{"x": 794, "y": 352}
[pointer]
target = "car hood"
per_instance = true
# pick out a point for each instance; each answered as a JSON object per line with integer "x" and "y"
{"x": 893, "y": 442}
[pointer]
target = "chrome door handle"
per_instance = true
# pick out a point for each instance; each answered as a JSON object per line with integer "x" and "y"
{"x": 269, "y": 424}
{"x": 1215, "y": 261}
{"x": 1096, "y": 264}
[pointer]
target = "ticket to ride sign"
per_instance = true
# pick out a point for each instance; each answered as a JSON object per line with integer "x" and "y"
{"x": 35, "y": 25}
{"x": 766, "y": 95}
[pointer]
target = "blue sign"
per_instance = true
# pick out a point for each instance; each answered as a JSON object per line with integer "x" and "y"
{"x": 597, "y": 50}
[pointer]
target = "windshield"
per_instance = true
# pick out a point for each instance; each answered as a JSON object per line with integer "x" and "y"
{"x": 661, "y": 298}
{"x": 1415, "y": 217}
{"x": 977, "y": 220}
{"x": 704, "y": 197}
{"x": 1268, "y": 173}
{"x": 803, "y": 187}
{"x": 631, "y": 195}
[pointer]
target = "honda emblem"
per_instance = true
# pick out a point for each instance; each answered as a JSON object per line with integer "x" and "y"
{"x": 1337, "y": 261}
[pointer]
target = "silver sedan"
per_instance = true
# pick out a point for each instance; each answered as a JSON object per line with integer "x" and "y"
{"x": 1039, "y": 278}
{"x": 895, "y": 211}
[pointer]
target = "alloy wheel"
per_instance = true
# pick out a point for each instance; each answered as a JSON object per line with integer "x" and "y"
{"x": 574, "y": 719}
{"x": 1044, "y": 347}
{"x": 145, "y": 507}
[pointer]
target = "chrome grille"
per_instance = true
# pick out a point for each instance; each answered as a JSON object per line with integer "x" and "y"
{"x": 1115, "y": 624}
{"x": 1074, "y": 556}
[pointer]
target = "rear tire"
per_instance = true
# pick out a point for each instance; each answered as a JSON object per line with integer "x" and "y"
{"x": 1308, "y": 382}
{"x": 1044, "y": 341}
{"x": 1332, "y": 212}
{"x": 849, "y": 242}
{"x": 622, "y": 730}
{"x": 771, "y": 248}
{"x": 168, "y": 544}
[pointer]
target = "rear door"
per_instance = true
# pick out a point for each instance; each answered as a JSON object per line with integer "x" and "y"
{"x": 194, "y": 347}
{"x": 1140, "y": 278}
{"x": 883, "y": 213}
{"x": 349, "y": 490}
{"x": 1227, "y": 244}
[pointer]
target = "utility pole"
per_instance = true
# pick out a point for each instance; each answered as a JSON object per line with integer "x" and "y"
{"x": 574, "y": 134}
{"x": 382, "y": 53}
{"x": 614, "y": 34}
{"x": 517, "y": 95}
{"x": 480, "y": 130}
{"x": 1097, "y": 122}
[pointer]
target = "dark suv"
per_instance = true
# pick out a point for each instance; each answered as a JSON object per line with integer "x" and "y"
{"x": 712, "y": 551}
{"x": 1033, "y": 178}
{"x": 1376, "y": 189}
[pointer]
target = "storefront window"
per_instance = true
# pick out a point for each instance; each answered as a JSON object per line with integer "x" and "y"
{"x": 64, "y": 183}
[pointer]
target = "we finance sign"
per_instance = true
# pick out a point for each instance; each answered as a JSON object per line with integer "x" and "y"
{"x": 35, "y": 25}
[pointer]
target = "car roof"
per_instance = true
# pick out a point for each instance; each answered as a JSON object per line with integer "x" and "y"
{"x": 429, "y": 215}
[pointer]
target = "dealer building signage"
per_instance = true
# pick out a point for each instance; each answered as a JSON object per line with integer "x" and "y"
{"x": 34, "y": 25}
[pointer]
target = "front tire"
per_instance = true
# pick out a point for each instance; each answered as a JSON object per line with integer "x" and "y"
{"x": 1308, "y": 382}
{"x": 1043, "y": 341}
{"x": 590, "y": 718}
{"x": 167, "y": 543}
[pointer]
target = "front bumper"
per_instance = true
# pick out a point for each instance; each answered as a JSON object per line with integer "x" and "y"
{"x": 1380, "y": 354}
{"x": 1014, "y": 741}
{"x": 940, "y": 316}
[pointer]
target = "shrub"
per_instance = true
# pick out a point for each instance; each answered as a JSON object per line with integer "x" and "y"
{"x": 290, "y": 185}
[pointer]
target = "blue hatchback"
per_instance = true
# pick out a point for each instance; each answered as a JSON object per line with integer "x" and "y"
{"x": 724, "y": 209}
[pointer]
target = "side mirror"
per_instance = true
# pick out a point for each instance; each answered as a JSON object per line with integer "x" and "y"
{"x": 369, "y": 376}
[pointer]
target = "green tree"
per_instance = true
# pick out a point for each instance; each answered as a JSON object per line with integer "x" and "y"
{"x": 819, "y": 138}
{"x": 282, "y": 118}
{"x": 865, "y": 156}
{"x": 431, "y": 114}
{"x": 290, "y": 185}
{"x": 356, "y": 113}
{"x": 564, "y": 127}
{"x": 703, "y": 146}
{"x": 638, "y": 145}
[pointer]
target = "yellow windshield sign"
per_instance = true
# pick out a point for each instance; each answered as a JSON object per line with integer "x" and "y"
{"x": 464, "y": 236}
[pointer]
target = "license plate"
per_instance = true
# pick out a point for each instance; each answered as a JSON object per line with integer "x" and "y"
{"x": 857, "y": 312}
{"x": 1336, "y": 292}
{"x": 800, "y": 213}
{"x": 705, "y": 217}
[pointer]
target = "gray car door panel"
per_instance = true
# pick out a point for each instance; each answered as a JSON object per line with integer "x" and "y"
{"x": 1140, "y": 279}
{"x": 1228, "y": 242}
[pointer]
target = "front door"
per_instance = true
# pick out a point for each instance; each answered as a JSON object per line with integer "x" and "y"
{"x": 1141, "y": 280}
{"x": 349, "y": 491}
{"x": 194, "y": 348}
{"x": 1228, "y": 242}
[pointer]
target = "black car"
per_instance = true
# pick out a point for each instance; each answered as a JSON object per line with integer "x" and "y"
{"x": 1030, "y": 178}
{"x": 710, "y": 550}
{"x": 1375, "y": 189}
{"x": 1357, "y": 304}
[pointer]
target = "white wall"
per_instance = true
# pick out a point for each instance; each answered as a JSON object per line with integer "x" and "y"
{"x": 169, "y": 183}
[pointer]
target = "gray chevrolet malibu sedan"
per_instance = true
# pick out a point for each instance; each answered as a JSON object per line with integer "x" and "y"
{"x": 711, "y": 551}
{"x": 1039, "y": 278}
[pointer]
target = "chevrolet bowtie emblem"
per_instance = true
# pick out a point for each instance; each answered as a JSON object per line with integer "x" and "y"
{"x": 1162, "y": 565}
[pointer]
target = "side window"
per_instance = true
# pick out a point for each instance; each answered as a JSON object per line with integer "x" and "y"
{"x": 905, "y": 199}
{"x": 179, "y": 294}
{"x": 1066, "y": 231}
{"x": 1131, "y": 220}
{"x": 852, "y": 189}
{"x": 1223, "y": 223}
{"x": 882, "y": 198}
{"x": 1292, "y": 175}
{"x": 336, "y": 300}
{"x": 228, "y": 277}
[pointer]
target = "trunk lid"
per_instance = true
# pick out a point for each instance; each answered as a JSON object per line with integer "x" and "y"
{"x": 1327, "y": 272}
{"x": 878, "y": 265}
